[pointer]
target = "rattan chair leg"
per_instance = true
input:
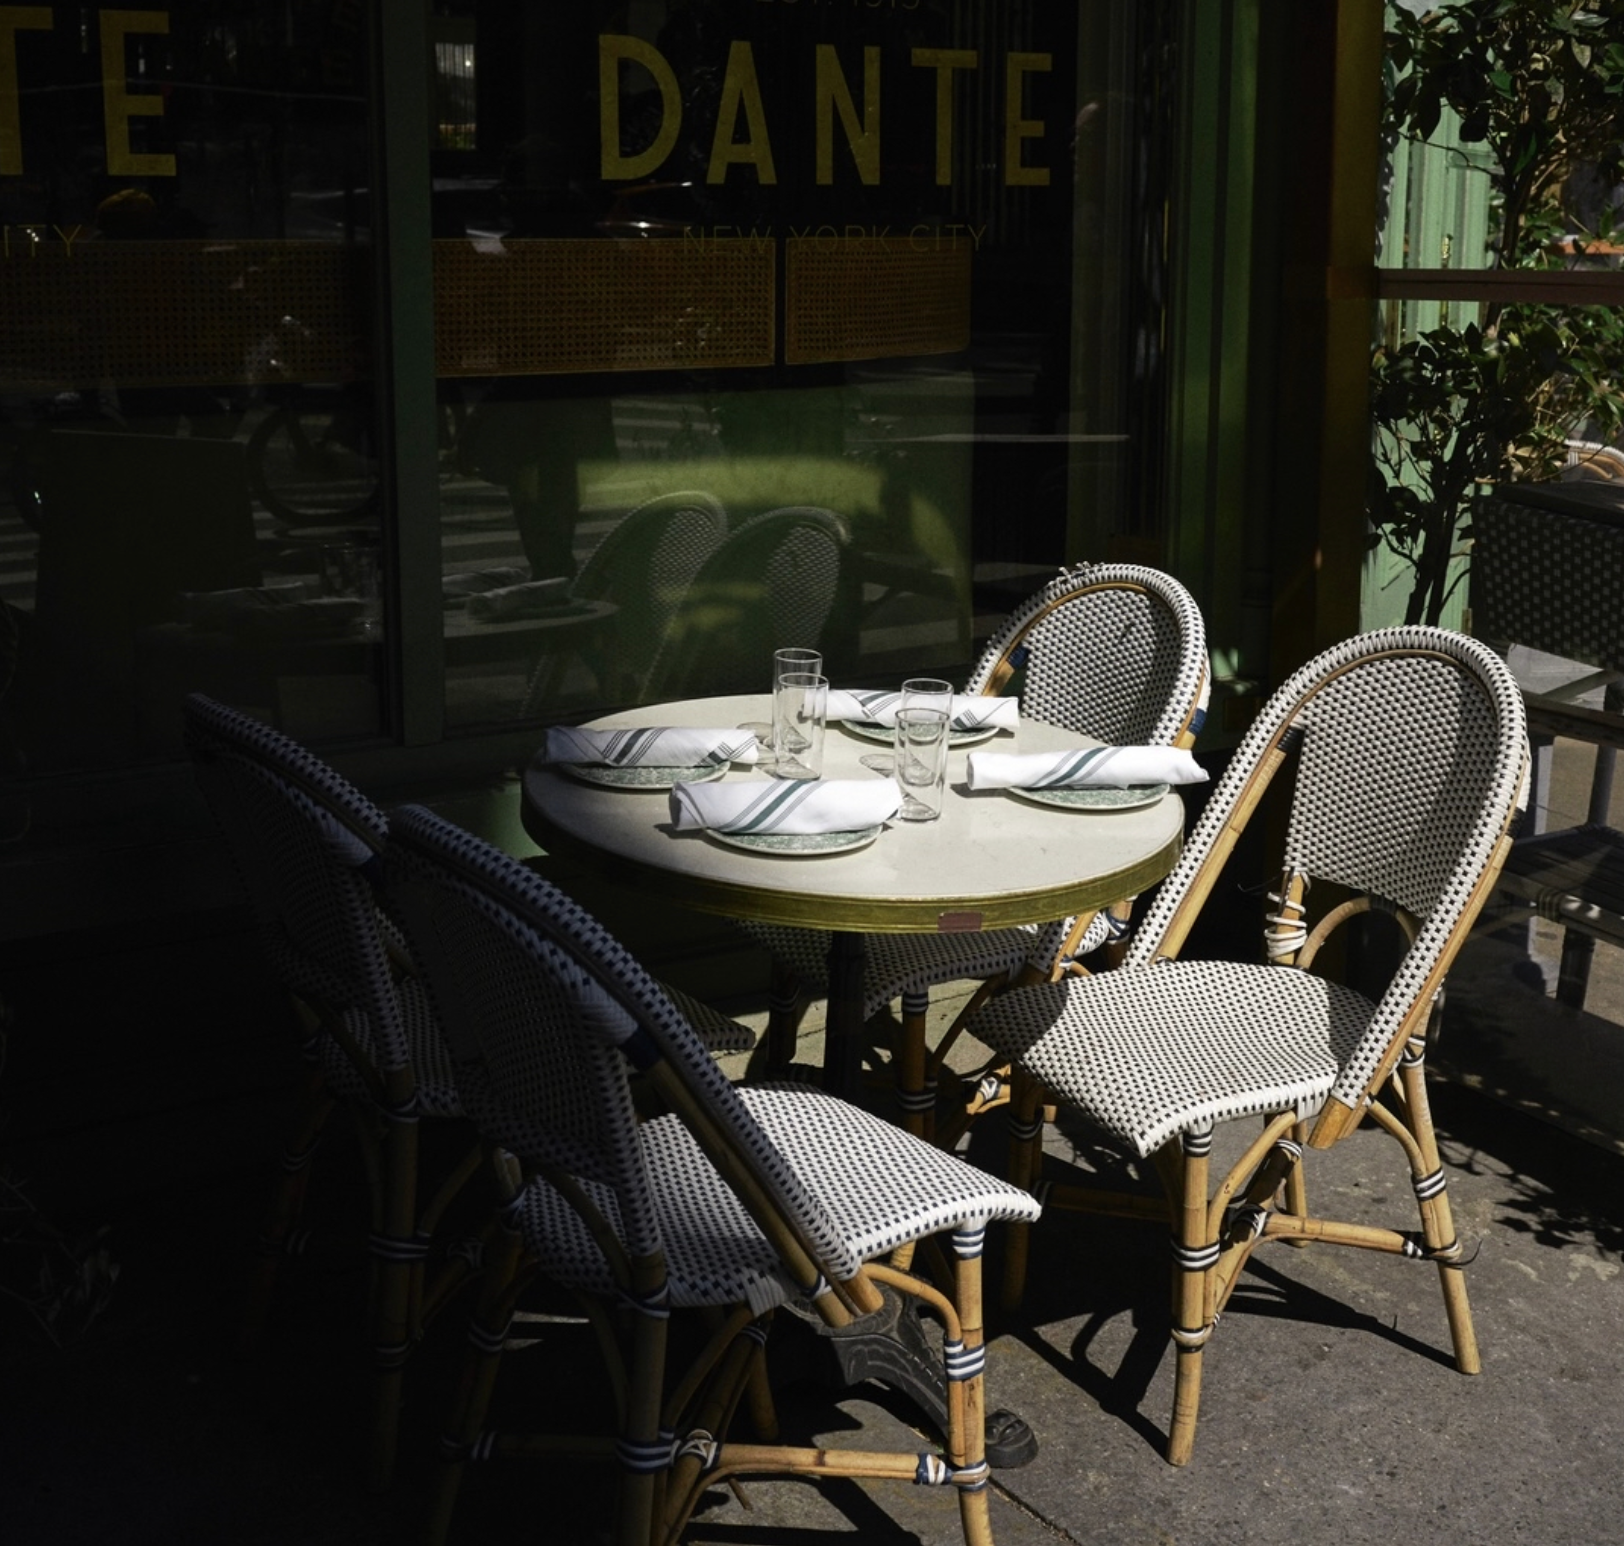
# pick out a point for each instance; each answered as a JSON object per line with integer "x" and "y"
{"x": 487, "y": 1334}
{"x": 698, "y": 1450}
{"x": 915, "y": 1095}
{"x": 1025, "y": 1160}
{"x": 1296, "y": 1187}
{"x": 399, "y": 1250}
{"x": 1195, "y": 1255}
{"x": 644, "y": 1458}
{"x": 1437, "y": 1217}
{"x": 763, "y": 1409}
{"x": 968, "y": 1448}
{"x": 286, "y": 1206}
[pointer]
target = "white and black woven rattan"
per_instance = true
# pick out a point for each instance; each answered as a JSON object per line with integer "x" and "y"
{"x": 644, "y": 564}
{"x": 1548, "y": 574}
{"x": 780, "y": 575}
{"x": 1112, "y": 651}
{"x": 1410, "y": 756}
{"x": 733, "y": 1201}
{"x": 306, "y": 842}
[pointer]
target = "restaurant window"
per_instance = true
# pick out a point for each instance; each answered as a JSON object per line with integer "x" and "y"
{"x": 897, "y": 267}
{"x": 863, "y": 273}
{"x": 186, "y": 389}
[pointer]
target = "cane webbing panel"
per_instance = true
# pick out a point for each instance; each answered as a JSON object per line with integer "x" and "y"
{"x": 531, "y": 307}
{"x": 868, "y": 298}
{"x": 536, "y": 1031}
{"x": 1414, "y": 763}
{"x": 1115, "y": 651}
{"x": 178, "y": 313}
{"x": 1549, "y": 580}
{"x": 1152, "y": 1052}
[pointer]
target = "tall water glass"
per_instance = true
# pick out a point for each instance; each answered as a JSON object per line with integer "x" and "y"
{"x": 788, "y": 659}
{"x": 921, "y": 761}
{"x": 800, "y": 708}
{"x": 927, "y": 692}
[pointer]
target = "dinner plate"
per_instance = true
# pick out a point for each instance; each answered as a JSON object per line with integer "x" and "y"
{"x": 801, "y": 844}
{"x": 643, "y": 777}
{"x": 869, "y": 732}
{"x": 1133, "y": 798}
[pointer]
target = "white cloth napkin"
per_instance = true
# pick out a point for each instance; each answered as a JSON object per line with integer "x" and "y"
{"x": 971, "y": 711}
{"x": 510, "y": 602}
{"x": 1095, "y": 767}
{"x": 801, "y": 805}
{"x": 653, "y": 746}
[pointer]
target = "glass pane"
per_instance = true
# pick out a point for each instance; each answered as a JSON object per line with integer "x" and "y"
{"x": 190, "y": 492}
{"x": 1505, "y": 130}
{"x": 764, "y": 256}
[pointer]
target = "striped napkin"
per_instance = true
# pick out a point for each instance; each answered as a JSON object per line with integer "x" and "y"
{"x": 511, "y": 603}
{"x": 799, "y": 805}
{"x": 654, "y": 746}
{"x": 1095, "y": 767}
{"x": 971, "y": 711}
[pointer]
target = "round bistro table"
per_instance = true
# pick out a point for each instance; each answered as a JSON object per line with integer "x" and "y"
{"x": 992, "y": 859}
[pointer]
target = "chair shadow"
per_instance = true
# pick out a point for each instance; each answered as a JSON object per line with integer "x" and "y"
{"x": 1127, "y": 1275}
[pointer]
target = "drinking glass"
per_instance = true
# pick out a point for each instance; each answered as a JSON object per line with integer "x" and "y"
{"x": 919, "y": 692}
{"x": 921, "y": 761}
{"x": 800, "y": 707}
{"x": 927, "y": 692}
{"x": 788, "y": 659}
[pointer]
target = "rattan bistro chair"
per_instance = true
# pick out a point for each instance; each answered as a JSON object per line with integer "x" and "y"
{"x": 644, "y": 564}
{"x": 305, "y": 842}
{"x": 1411, "y": 758}
{"x": 780, "y": 575}
{"x": 731, "y": 1202}
{"x": 1112, "y": 651}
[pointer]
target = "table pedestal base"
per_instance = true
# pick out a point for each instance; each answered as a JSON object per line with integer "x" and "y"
{"x": 893, "y": 1347}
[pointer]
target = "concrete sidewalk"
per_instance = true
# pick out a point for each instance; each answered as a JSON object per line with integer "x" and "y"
{"x": 1330, "y": 1404}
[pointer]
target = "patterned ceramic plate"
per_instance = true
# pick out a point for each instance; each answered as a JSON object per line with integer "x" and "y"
{"x": 868, "y": 732}
{"x": 803, "y": 844}
{"x": 1130, "y": 799}
{"x": 639, "y": 777}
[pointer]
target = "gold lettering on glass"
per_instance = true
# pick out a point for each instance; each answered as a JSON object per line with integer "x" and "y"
{"x": 741, "y": 90}
{"x": 120, "y": 104}
{"x": 834, "y": 95}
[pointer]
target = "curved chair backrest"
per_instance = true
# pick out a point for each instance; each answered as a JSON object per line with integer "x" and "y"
{"x": 1411, "y": 750}
{"x": 779, "y": 577}
{"x": 304, "y": 840}
{"x": 1114, "y": 651}
{"x": 645, "y": 564}
{"x": 539, "y": 1003}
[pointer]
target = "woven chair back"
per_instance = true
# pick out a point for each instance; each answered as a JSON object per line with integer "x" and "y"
{"x": 544, "y": 1011}
{"x": 1114, "y": 651}
{"x": 533, "y": 1036}
{"x": 1411, "y": 754}
{"x": 781, "y": 577}
{"x": 303, "y": 840}
{"x": 645, "y": 564}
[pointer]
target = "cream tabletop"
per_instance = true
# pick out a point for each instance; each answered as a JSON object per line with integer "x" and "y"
{"x": 991, "y": 860}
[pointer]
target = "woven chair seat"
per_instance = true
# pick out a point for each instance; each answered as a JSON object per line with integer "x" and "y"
{"x": 715, "y": 1254}
{"x": 1150, "y": 1053}
{"x": 435, "y": 1086}
{"x": 719, "y": 1033}
{"x": 905, "y": 963}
